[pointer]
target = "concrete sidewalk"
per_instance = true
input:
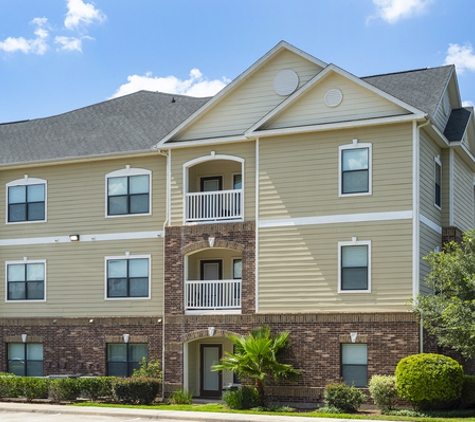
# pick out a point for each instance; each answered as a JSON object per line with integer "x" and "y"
{"x": 156, "y": 414}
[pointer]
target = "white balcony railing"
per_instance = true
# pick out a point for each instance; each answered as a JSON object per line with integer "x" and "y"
{"x": 213, "y": 206}
{"x": 212, "y": 295}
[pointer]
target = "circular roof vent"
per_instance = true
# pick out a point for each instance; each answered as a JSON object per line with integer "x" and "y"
{"x": 333, "y": 97}
{"x": 286, "y": 82}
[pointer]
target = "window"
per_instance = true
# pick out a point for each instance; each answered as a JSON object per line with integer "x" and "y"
{"x": 128, "y": 192}
{"x": 26, "y": 200}
{"x": 355, "y": 266}
{"x": 128, "y": 278}
{"x": 355, "y": 169}
{"x": 354, "y": 364}
{"x": 123, "y": 358}
{"x": 25, "y": 280}
{"x": 437, "y": 182}
{"x": 237, "y": 181}
{"x": 25, "y": 359}
{"x": 237, "y": 268}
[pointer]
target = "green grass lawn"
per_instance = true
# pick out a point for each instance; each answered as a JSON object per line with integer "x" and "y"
{"x": 470, "y": 415}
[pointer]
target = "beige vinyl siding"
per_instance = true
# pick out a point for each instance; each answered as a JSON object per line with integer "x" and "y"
{"x": 429, "y": 240}
{"x": 428, "y": 151}
{"x": 76, "y": 199}
{"x": 254, "y": 98}
{"x": 463, "y": 206}
{"x": 357, "y": 103}
{"x": 299, "y": 174}
{"x": 440, "y": 117}
{"x": 298, "y": 267}
{"x": 244, "y": 150}
{"x": 75, "y": 279}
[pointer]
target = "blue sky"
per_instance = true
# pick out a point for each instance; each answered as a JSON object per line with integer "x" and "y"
{"x": 59, "y": 55}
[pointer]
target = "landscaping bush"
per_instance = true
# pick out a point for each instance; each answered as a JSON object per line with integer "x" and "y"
{"x": 135, "y": 390}
{"x": 467, "y": 397}
{"x": 97, "y": 387}
{"x": 243, "y": 398}
{"x": 32, "y": 387}
{"x": 61, "y": 389}
{"x": 429, "y": 381}
{"x": 150, "y": 369}
{"x": 344, "y": 397}
{"x": 181, "y": 396}
{"x": 9, "y": 385}
{"x": 383, "y": 391}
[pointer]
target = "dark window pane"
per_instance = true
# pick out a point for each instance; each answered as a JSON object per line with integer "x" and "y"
{"x": 36, "y": 211}
{"x": 117, "y": 287}
{"x": 117, "y": 352}
{"x": 139, "y": 287}
{"x": 354, "y": 278}
{"x": 17, "y": 212}
{"x": 34, "y": 369}
{"x": 117, "y": 205}
{"x": 356, "y": 375}
{"x": 16, "y": 291}
{"x": 17, "y": 367}
{"x": 355, "y": 181}
{"x": 117, "y": 369}
{"x": 137, "y": 352}
{"x": 139, "y": 204}
{"x": 35, "y": 290}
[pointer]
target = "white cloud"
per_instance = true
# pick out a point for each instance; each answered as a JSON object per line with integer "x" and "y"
{"x": 393, "y": 10}
{"x": 69, "y": 43}
{"x": 196, "y": 85}
{"x": 468, "y": 104}
{"x": 36, "y": 45}
{"x": 461, "y": 56}
{"x": 80, "y": 14}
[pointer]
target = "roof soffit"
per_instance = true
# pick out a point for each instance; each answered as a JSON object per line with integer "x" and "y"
{"x": 331, "y": 71}
{"x": 235, "y": 85}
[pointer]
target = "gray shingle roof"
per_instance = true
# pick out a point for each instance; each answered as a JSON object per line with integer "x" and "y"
{"x": 458, "y": 121}
{"x": 420, "y": 88}
{"x": 130, "y": 123}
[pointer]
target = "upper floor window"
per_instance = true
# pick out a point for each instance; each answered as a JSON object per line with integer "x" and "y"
{"x": 355, "y": 169}
{"x": 25, "y": 280}
{"x": 128, "y": 277}
{"x": 355, "y": 266}
{"x": 128, "y": 192}
{"x": 437, "y": 182}
{"x": 26, "y": 200}
{"x": 25, "y": 359}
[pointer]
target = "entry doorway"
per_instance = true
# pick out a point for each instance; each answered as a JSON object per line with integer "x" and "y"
{"x": 211, "y": 383}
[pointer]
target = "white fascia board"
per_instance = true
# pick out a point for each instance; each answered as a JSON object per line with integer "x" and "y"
{"x": 338, "y": 125}
{"x": 235, "y": 83}
{"x": 331, "y": 68}
{"x": 204, "y": 142}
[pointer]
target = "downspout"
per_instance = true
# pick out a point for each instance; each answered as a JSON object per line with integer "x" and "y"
{"x": 165, "y": 224}
{"x": 416, "y": 217}
{"x": 256, "y": 252}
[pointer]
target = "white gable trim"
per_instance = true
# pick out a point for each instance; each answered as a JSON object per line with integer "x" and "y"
{"x": 283, "y": 45}
{"x": 320, "y": 76}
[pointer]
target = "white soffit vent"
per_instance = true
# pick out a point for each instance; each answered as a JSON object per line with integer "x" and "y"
{"x": 333, "y": 97}
{"x": 286, "y": 82}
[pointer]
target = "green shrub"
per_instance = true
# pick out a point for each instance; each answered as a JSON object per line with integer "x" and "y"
{"x": 61, "y": 389}
{"x": 243, "y": 398}
{"x": 344, "y": 397}
{"x": 467, "y": 397}
{"x": 429, "y": 381}
{"x": 97, "y": 387}
{"x": 9, "y": 386}
{"x": 32, "y": 387}
{"x": 135, "y": 390}
{"x": 181, "y": 396}
{"x": 150, "y": 369}
{"x": 383, "y": 391}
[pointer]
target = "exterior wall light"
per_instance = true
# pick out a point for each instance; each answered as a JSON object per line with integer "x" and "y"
{"x": 74, "y": 237}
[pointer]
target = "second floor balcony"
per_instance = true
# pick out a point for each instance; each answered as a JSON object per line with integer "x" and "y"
{"x": 213, "y": 295}
{"x": 214, "y": 206}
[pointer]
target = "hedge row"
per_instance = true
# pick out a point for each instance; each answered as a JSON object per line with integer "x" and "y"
{"x": 119, "y": 390}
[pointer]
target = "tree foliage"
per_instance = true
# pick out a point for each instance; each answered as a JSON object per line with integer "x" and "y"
{"x": 449, "y": 314}
{"x": 257, "y": 356}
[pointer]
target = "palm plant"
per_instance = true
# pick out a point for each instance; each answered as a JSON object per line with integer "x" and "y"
{"x": 256, "y": 355}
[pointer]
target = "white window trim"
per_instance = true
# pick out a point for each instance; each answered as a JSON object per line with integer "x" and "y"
{"x": 129, "y": 171}
{"x": 437, "y": 162}
{"x": 354, "y": 243}
{"x": 356, "y": 145}
{"x": 128, "y": 256}
{"x": 25, "y": 261}
{"x": 25, "y": 182}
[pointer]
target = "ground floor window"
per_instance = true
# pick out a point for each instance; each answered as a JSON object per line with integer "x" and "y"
{"x": 354, "y": 364}
{"x": 123, "y": 358}
{"x": 25, "y": 359}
